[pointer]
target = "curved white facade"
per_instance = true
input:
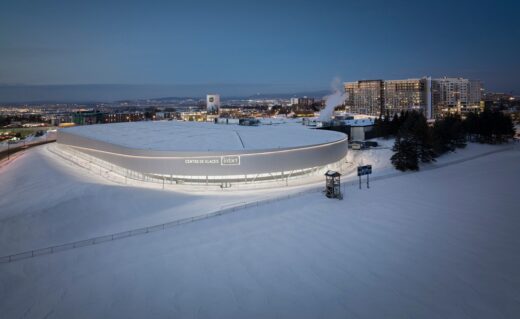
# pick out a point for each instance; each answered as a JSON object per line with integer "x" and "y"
{"x": 220, "y": 164}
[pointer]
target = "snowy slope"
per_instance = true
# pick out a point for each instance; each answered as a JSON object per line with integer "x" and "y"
{"x": 437, "y": 244}
{"x": 45, "y": 201}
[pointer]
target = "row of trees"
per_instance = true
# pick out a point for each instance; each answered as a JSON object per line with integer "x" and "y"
{"x": 417, "y": 142}
{"x": 489, "y": 127}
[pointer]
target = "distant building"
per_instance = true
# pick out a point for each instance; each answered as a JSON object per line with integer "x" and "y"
{"x": 88, "y": 117}
{"x": 164, "y": 115}
{"x": 97, "y": 117}
{"x": 303, "y": 102}
{"x": 365, "y": 97}
{"x": 57, "y": 119}
{"x": 408, "y": 95}
{"x": 500, "y": 101}
{"x": 358, "y": 129}
{"x": 251, "y": 121}
{"x": 225, "y": 120}
{"x": 455, "y": 94}
{"x": 123, "y": 117}
{"x": 432, "y": 97}
{"x": 213, "y": 103}
{"x": 193, "y": 116}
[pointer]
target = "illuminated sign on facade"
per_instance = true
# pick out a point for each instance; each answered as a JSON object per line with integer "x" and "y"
{"x": 202, "y": 161}
{"x": 230, "y": 160}
{"x": 223, "y": 160}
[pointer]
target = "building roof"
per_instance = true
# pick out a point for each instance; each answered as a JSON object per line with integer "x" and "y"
{"x": 197, "y": 136}
{"x": 332, "y": 174}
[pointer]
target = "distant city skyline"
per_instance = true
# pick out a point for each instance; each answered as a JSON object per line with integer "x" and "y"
{"x": 82, "y": 50}
{"x": 85, "y": 93}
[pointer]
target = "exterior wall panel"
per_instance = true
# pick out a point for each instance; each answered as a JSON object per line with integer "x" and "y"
{"x": 209, "y": 163}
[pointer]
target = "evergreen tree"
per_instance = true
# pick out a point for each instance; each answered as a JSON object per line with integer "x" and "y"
{"x": 448, "y": 134}
{"x": 485, "y": 127}
{"x": 490, "y": 126}
{"x": 378, "y": 127}
{"x": 470, "y": 125}
{"x": 405, "y": 156}
{"x": 382, "y": 126}
{"x": 422, "y": 136}
{"x": 386, "y": 126}
{"x": 504, "y": 128}
{"x": 394, "y": 126}
{"x": 413, "y": 142}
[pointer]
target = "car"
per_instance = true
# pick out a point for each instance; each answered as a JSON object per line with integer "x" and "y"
{"x": 371, "y": 144}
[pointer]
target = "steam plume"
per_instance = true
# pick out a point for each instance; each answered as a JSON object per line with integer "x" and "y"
{"x": 333, "y": 100}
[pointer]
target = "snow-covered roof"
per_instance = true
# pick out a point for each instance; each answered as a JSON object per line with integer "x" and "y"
{"x": 360, "y": 122}
{"x": 197, "y": 136}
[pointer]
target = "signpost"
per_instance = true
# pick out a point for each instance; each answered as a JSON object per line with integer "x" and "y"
{"x": 364, "y": 170}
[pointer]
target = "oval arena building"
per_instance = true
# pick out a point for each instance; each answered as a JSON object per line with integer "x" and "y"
{"x": 195, "y": 152}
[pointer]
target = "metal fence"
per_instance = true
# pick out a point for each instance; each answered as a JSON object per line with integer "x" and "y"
{"x": 122, "y": 175}
{"x": 9, "y": 149}
{"x": 143, "y": 230}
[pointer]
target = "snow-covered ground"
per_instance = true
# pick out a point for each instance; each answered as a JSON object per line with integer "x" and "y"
{"x": 45, "y": 201}
{"x": 441, "y": 243}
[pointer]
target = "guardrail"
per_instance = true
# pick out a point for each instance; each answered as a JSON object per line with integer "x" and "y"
{"x": 8, "y": 149}
{"x": 141, "y": 231}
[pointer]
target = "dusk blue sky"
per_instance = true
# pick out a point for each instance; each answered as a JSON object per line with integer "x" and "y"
{"x": 186, "y": 47}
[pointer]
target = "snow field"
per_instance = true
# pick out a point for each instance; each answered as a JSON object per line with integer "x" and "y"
{"x": 437, "y": 244}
